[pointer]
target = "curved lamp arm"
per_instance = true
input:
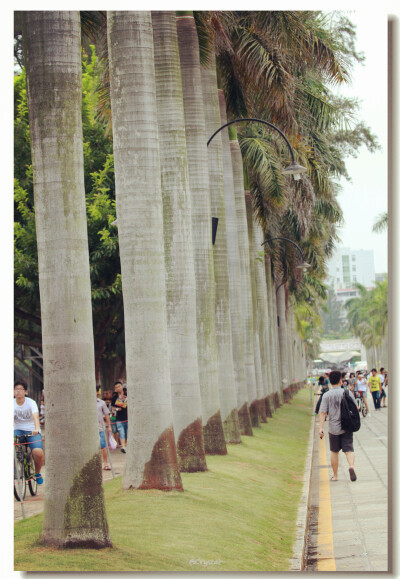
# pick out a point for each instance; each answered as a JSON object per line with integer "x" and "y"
{"x": 293, "y": 169}
{"x": 304, "y": 264}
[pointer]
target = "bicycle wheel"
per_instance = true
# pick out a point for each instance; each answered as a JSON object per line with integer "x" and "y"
{"x": 19, "y": 480}
{"x": 30, "y": 472}
{"x": 364, "y": 410}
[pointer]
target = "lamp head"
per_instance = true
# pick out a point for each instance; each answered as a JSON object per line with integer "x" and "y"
{"x": 295, "y": 170}
{"x": 303, "y": 265}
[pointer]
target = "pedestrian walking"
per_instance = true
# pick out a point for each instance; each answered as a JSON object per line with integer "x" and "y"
{"x": 374, "y": 383}
{"x": 120, "y": 402}
{"x": 360, "y": 386}
{"x": 339, "y": 439}
{"x": 103, "y": 416}
{"x": 383, "y": 379}
{"x": 323, "y": 388}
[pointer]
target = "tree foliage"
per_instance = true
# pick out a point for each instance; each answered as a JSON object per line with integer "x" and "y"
{"x": 367, "y": 314}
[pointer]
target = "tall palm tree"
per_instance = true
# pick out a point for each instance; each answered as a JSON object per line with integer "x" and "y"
{"x": 74, "y": 501}
{"x": 196, "y": 140}
{"x": 226, "y": 378}
{"x": 246, "y": 295}
{"x": 151, "y": 459}
{"x": 273, "y": 331}
{"x": 181, "y": 287}
{"x": 257, "y": 409}
{"x": 262, "y": 320}
{"x": 236, "y": 285}
{"x": 282, "y": 333}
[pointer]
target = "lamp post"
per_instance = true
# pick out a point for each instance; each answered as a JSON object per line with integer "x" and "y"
{"x": 293, "y": 169}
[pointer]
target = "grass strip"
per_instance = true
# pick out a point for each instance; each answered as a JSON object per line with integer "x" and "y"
{"x": 239, "y": 516}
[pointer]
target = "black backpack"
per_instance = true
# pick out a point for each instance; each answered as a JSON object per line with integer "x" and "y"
{"x": 349, "y": 415}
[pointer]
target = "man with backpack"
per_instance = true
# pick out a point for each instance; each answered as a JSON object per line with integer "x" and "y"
{"x": 339, "y": 438}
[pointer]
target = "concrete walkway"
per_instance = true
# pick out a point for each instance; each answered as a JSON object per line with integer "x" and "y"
{"x": 348, "y": 521}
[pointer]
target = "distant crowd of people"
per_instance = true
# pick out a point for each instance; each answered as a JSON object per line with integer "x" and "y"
{"x": 359, "y": 383}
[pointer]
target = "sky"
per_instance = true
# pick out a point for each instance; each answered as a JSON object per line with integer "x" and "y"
{"x": 366, "y": 197}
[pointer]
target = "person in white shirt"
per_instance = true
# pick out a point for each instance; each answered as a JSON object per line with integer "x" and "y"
{"x": 361, "y": 386}
{"x": 26, "y": 422}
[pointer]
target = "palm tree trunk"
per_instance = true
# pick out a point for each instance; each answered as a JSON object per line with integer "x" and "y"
{"x": 282, "y": 334}
{"x": 236, "y": 286}
{"x": 196, "y": 142}
{"x": 181, "y": 287}
{"x": 74, "y": 502}
{"x": 272, "y": 326}
{"x": 254, "y": 403}
{"x": 261, "y": 294}
{"x": 226, "y": 377}
{"x": 151, "y": 459}
{"x": 246, "y": 295}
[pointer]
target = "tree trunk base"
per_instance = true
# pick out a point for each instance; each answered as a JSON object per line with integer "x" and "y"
{"x": 214, "y": 440}
{"x": 231, "y": 428}
{"x": 161, "y": 471}
{"x": 255, "y": 419}
{"x": 245, "y": 420}
{"x": 190, "y": 448}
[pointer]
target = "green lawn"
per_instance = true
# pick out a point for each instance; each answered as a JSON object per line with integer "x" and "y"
{"x": 239, "y": 516}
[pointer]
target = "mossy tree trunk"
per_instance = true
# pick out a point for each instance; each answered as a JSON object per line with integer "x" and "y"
{"x": 282, "y": 335}
{"x": 226, "y": 377}
{"x": 181, "y": 286}
{"x": 151, "y": 458}
{"x": 236, "y": 285}
{"x": 74, "y": 514}
{"x": 246, "y": 295}
{"x": 254, "y": 402}
{"x": 196, "y": 142}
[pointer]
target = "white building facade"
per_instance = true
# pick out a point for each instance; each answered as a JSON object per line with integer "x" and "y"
{"x": 350, "y": 266}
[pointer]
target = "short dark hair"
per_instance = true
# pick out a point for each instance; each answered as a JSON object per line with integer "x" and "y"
{"x": 98, "y": 387}
{"x": 373, "y": 370}
{"x": 321, "y": 380}
{"x": 381, "y": 369}
{"x": 117, "y": 382}
{"x": 21, "y": 383}
{"x": 335, "y": 377}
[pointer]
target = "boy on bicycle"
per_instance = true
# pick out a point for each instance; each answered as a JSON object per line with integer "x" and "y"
{"x": 26, "y": 422}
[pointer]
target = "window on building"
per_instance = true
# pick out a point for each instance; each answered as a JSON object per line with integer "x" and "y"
{"x": 353, "y": 268}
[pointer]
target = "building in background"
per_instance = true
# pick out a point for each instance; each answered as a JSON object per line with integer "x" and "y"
{"x": 350, "y": 266}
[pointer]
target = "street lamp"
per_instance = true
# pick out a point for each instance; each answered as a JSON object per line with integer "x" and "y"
{"x": 304, "y": 265}
{"x": 293, "y": 169}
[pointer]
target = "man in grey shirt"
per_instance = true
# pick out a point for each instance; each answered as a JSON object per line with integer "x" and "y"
{"x": 338, "y": 438}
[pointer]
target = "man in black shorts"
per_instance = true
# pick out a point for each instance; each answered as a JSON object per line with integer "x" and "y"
{"x": 338, "y": 438}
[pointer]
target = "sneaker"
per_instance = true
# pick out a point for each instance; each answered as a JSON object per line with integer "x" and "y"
{"x": 39, "y": 478}
{"x": 123, "y": 450}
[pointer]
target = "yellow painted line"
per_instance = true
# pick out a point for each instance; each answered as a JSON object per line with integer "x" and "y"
{"x": 325, "y": 552}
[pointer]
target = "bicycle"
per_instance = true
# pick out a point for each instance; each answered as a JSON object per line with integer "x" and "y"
{"x": 24, "y": 468}
{"x": 360, "y": 403}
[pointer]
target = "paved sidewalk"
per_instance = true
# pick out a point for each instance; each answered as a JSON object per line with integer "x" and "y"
{"x": 350, "y": 519}
{"x": 34, "y": 505}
